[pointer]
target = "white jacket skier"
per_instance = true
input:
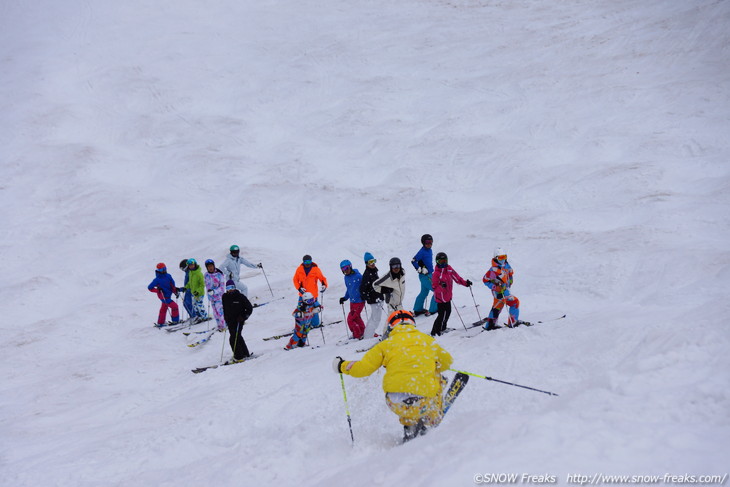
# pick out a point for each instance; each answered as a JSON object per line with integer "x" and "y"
{"x": 231, "y": 268}
{"x": 392, "y": 285}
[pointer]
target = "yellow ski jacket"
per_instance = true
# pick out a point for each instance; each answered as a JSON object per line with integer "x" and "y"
{"x": 412, "y": 359}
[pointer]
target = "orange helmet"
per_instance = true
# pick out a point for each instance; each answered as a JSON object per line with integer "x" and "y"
{"x": 399, "y": 317}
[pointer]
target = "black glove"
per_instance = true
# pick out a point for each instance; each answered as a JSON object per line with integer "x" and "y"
{"x": 421, "y": 264}
{"x": 342, "y": 300}
{"x": 302, "y": 290}
{"x": 442, "y": 284}
{"x": 337, "y": 364}
{"x": 260, "y": 265}
{"x": 468, "y": 283}
{"x": 499, "y": 295}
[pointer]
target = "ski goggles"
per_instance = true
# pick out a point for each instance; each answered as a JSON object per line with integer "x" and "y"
{"x": 395, "y": 266}
{"x": 346, "y": 269}
{"x": 307, "y": 262}
{"x": 442, "y": 260}
{"x": 502, "y": 257}
{"x": 371, "y": 262}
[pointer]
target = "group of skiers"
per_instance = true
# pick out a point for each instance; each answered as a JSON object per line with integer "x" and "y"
{"x": 413, "y": 382}
{"x": 227, "y": 296}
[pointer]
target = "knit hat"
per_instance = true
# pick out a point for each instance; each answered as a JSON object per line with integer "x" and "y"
{"x": 368, "y": 256}
{"x": 230, "y": 285}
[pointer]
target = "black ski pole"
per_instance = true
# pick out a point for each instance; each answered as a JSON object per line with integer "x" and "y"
{"x": 475, "y": 304}
{"x": 223, "y": 345}
{"x": 347, "y": 334}
{"x": 235, "y": 343}
{"x": 321, "y": 328}
{"x": 504, "y": 382}
{"x": 459, "y": 315}
{"x": 267, "y": 280}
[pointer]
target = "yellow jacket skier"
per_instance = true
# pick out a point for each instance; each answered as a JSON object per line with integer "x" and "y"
{"x": 413, "y": 384}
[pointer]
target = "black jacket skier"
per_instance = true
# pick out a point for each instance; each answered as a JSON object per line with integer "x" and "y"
{"x": 369, "y": 276}
{"x": 236, "y": 310}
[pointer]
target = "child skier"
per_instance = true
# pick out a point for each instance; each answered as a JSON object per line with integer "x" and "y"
{"x": 352, "y": 285}
{"x": 231, "y": 267}
{"x": 196, "y": 285}
{"x": 499, "y": 280}
{"x": 372, "y": 297}
{"x": 304, "y": 314}
{"x": 215, "y": 284}
{"x": 413, "y": 384}
{"x": 309, "y": 278}
{"x": 164, "y": 286}
{"x": 236, "y": 310}
{"x": 423, "y": 263}
{"x": 443, "y": 280}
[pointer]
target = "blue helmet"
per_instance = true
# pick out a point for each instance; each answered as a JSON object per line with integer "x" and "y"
{"x": 345, "y": 263}
{"x": 192, "y": 262}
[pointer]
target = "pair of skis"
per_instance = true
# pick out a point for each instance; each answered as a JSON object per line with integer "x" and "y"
{"x": 229, "y": 362}
{"x": 518, "y": 323}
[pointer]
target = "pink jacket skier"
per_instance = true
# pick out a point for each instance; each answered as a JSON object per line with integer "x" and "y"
{"x": 442, "y": 282}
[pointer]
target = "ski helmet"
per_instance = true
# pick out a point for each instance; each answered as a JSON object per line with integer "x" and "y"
{"x": 500, "y": 254}
{"x": 401, "y": 317}
{"x": 183, "y": 264}
{"x": 230, "y": 285}
{"x": 368, "y": 257}
{"x": 442, "y": 259}
{"x": 210, "y": 261}
{"x": 192, "y": 262}
{"x": 234, "y": 248}
{"x": 394, "y": 262}
{"x": 345, "y": 266}
{"x": 426, "y": 238}
{"x": 161, "y": 268}
{"x": 308, "y": 298}
{"x": 307, "y": 259}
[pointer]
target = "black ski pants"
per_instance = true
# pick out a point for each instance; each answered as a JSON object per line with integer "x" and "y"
{"x": 439, "y": 325}
{"x": 238, "y": 344}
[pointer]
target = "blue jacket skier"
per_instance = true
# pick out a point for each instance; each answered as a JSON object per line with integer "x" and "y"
{"x": 423, "y": 263}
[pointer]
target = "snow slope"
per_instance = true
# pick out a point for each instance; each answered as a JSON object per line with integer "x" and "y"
{"x": 587, "y": 138}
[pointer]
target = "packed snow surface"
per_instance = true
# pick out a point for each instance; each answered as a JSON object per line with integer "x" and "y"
{"x": 589, "y": 139}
